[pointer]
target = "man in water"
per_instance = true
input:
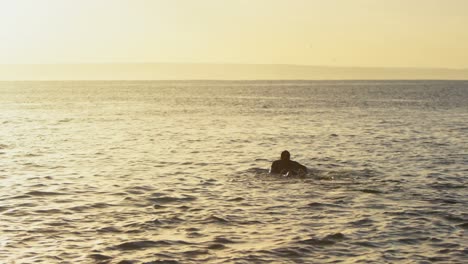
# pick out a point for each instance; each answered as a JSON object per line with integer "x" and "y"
{"x": 286, "y": 166}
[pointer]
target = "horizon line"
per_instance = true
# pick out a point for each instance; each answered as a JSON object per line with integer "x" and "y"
{"x": 238, "y": 64}
{"x": 238, "y": 80}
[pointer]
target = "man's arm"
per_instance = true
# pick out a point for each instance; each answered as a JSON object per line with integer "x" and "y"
{"x": 304, "y": 168}
{"x": 274, "y": 167}
{"x": 301, "y": 167}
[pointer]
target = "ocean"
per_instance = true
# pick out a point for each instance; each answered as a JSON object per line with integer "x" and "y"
{"x": 177, "y": 172}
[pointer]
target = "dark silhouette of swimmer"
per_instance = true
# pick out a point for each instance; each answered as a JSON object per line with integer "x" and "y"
{"x": 286, "y": 166}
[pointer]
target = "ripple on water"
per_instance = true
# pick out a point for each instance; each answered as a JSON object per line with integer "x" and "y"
{"x": 213, "y": 219}
{"x": 362, "y": 222}
{"x": 48, "y": 211}
{"x": 237, "y": 199}
{"x": 325, "y": 241}
{"x": 43, "y": 193}
{"x": 136, "y": 245}
{"x": 189, "y": 161}
{"x": 171, "y": 199}
{"x": 109, "y": 229}
{"x": 372, "y": 191}
{"x": 291, "y": 252}
{"x": 142, "y": 244}
{"x": 99, "y": 257}
{"x": 319, "y": 205}
{"x": 90, "y": 206}
{"x": 163, "y": 261}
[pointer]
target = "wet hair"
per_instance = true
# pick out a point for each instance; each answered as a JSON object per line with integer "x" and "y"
{"x": 285, "y": 155}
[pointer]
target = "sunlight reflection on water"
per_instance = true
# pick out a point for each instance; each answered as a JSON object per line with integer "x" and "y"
{"x": 104, "y": 172}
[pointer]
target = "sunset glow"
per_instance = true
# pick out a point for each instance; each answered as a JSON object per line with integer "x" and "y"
{"x": 418, "y": 33}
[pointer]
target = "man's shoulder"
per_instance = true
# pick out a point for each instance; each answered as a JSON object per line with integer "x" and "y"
{"x": 298, "y": 164}
{"x": 276, "y": 163}
{"x": 275, "y": 166}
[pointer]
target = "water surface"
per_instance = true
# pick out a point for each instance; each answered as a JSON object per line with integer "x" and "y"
{"x": 177, "y": 172}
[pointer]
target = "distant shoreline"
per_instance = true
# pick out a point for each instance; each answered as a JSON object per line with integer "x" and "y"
{"x": 219, "y": 72}
{"x": 371, "y": 81}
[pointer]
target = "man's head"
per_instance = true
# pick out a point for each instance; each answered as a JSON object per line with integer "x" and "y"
{"x": 285, "y": 155}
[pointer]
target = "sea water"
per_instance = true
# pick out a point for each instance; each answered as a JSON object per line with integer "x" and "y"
{"x": 177, "y": 172}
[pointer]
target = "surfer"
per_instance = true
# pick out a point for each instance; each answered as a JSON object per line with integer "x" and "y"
{"x": 286, "y": 166}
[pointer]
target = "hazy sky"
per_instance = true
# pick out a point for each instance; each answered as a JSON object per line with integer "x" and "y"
{"x": 408, "y": 33}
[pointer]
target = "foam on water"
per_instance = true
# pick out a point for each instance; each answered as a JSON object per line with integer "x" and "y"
{"x": 177, "y": 172}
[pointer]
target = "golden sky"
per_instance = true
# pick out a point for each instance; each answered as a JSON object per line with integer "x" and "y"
{"x": 385, "y": 33}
